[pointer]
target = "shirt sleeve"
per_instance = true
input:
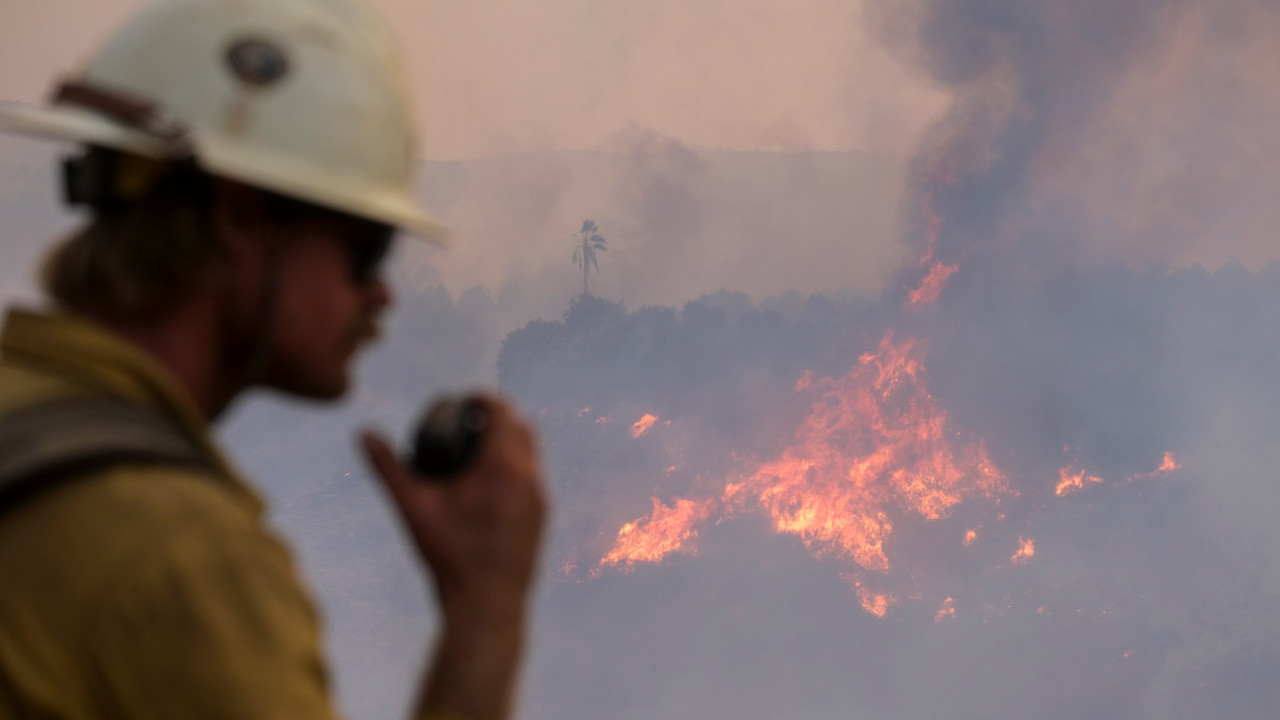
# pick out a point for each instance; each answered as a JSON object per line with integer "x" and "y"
{"x": 212, "y": 624}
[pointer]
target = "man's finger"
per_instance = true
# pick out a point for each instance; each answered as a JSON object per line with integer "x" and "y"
{"x": 384, "y": 461}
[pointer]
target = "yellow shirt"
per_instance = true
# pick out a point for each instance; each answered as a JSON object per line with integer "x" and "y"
{"x": 143, "y": 591}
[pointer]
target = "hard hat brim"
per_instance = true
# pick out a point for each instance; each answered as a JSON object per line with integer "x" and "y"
{"x": 391, "y": 205}
{"x": 388, "y": 204}
{"x": 76, "y": 125}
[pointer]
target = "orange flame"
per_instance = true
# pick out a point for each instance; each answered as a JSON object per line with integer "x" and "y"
{"x": 1167, "y": 466}
{"x": 948, "y": 610}
{"x": 875, "y": 603}
{"x": 1070, "y": 481}
{"x": 969, "y": 537}
{"x": 935, "y": 280}
{"x": 931, "y": 287}
{"x": 875, "y": 445}
{"x": 875, "y": 442}
{"x": 642, "y": 425}
{"x": 1026, "y": 551}
{"x": 664, "y": 532}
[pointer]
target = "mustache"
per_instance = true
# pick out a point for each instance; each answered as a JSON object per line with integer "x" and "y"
{"x": 366, "y": 328}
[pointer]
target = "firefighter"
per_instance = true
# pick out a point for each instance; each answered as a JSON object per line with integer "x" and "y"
{"x": 244, "y": 165}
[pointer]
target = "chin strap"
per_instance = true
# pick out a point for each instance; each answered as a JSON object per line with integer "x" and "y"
{"x": 264, "y": 332}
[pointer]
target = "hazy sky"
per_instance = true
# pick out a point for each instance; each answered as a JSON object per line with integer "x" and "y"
{"x": 506, "y": 76}
{"x": 1172, "y": 159}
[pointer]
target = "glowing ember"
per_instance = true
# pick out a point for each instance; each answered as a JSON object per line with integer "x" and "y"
{"x": 603, "y": 420}
{"x": 875, "y": 603}
{"x": 1070, "y": 481}
{"x": 948, "y": 610}
{"x": 584, "y": 411}
{"x": 1026, "y": 551}
{"x": 664, "y": 532}
{"x": 1169, "y": 465}
{"x": 969, "y": 537}
{"x": 642, "y": 425}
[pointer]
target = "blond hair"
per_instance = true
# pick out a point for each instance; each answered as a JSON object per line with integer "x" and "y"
{"x": 135, "y": 254}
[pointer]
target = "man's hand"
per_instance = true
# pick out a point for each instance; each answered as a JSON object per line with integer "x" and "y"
{"x": 479, "y": 534}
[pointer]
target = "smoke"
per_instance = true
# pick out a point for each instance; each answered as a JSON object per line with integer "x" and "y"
{"x": 1136, "y": 131}
{"x": 679, "y": 221}
{"x": 1075, "y": 334}
{"x": 1143, "y": 598}
{"x": 1147, "y": 594}
{"x": 1099, "y": 190}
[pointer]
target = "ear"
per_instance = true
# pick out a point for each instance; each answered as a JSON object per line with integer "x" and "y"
{"x": 238, "y": 223}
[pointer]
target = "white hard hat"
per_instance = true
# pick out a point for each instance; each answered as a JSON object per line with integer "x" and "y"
{"x": 302, "y": 97}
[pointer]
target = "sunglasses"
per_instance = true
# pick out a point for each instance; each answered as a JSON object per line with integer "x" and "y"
{"x": 367, "y": 243}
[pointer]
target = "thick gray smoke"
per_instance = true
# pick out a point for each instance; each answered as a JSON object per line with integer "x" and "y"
{"x": 1147, "y": 597}
{"x": 1142, "y": 600}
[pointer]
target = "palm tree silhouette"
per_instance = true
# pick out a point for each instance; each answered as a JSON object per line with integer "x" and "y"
{"x": 586, "y": 243}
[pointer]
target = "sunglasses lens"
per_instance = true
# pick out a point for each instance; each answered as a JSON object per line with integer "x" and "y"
{"x": 367, "y": 249}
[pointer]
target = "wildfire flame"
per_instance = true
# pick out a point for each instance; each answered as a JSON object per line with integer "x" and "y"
{"x": 931, "y": 287}
{"x": 875, "y": 449}
{"x": 874, "y": 443}
{"x": 874, "y": 446}
{"x": 1070, "y": 481}
{"x": 1026, "y": 551}
{"x": 875, "y": 603}
{"x": 641, "y": 426}
{"x": 935, "y": 279}
{"x": 1167, "y": 466}
{"x": 948, "y": 610}
{"x": 665, "y": 531}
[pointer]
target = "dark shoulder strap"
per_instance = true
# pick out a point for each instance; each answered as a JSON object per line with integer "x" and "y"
{"x": 48, "y": 441}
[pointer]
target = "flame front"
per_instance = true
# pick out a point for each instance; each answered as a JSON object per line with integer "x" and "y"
{"x": 1069, "y": 480}
{"x": 642, "y": 425}
{"x": 875, "y": 446}
{"x": 665, "y": 531}
{"x": 874, "y": 452}
{"x": 1167, "y": 466}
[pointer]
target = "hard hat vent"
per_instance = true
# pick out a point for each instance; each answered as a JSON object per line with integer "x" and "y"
{"x": 257, "y": 62}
